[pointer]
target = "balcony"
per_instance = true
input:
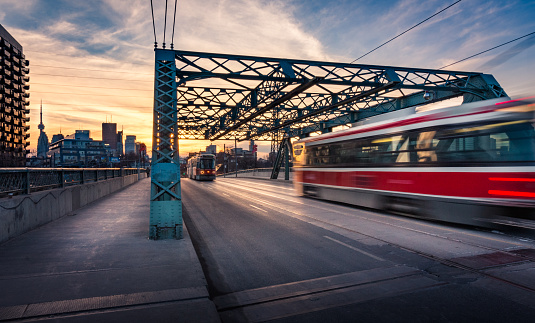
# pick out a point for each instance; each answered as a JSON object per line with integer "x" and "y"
{"x": 26, "y": 70}
{"x": 26, "y": 87}
{"x": 26, "y": 95}
{"x": 26, "y": 78}
{"x": 26, "y": 62}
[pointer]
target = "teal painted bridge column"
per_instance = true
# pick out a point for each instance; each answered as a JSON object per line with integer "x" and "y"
{"x": 165, "y": 197}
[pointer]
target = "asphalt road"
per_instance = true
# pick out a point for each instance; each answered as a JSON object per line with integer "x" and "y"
{"x": 271, "y": 256}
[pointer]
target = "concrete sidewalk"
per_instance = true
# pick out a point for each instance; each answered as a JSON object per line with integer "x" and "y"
{"x": 98, "y": 265}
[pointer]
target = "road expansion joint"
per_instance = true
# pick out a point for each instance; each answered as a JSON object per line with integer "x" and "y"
{"x": 101, "y": 303}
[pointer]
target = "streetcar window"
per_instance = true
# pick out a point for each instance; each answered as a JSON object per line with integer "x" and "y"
{"x": 446, "y": 146}
{"x": 513, "y": 141}
{"x": 425, "y": 146}
{"x": 206, "y": 163}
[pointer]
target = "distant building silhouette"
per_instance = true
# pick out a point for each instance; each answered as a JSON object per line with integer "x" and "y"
{"x": 120, "y": 150}
{"x": 42, "y": 142}
{"x": 79, "y": 150}
{"x": 130, "y": 144}
{"x": 13, "y": 86}
{"x": 109, "y": 134}
{"x": 212, "y": 149}
{"x": 56, "y": 137}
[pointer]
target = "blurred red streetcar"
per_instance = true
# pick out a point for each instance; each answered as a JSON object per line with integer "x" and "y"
{"x": 471, "y": 164}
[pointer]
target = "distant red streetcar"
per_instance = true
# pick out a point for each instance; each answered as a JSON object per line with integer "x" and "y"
{"x": 472, "y": 164}
{"x": 201, "y": 168}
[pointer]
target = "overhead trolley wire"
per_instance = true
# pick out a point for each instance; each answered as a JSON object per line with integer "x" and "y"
{"x": 49, "y": 53}
{"x": 164, "y": 24}
{"x": 92, "y": 87}
{"x": 90, "y": 77}
{"x": 99, "y": 105}
{"x": 153, "y": 26}
{"x": 92, "y": 94}
{"x": 406, "y": 31}
{"x": 89, "y": 69}
{"x": 418, "y": 24}
{"x": 173, "y": 35}
{"x": 488, "y": 50}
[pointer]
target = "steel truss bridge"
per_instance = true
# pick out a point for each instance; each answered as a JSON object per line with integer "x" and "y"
{"x": 218, "y": 96}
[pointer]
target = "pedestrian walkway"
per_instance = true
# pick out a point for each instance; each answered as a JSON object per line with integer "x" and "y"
{"x": 98, "y": 265}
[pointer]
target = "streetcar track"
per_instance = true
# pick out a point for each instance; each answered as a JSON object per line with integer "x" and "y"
{"x": 442, "y": 260}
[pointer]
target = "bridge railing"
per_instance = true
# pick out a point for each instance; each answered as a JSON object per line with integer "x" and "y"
{"x": 15, "y": 181}
{"x": 255, "y": 172}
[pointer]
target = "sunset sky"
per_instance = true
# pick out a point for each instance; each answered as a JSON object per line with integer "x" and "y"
{"x": 92, "y": 61}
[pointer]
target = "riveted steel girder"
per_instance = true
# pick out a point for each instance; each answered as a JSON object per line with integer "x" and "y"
{"x": 221, "y": 96}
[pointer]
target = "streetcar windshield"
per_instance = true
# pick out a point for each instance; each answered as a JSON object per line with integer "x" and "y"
{"x": 206, "y": 163}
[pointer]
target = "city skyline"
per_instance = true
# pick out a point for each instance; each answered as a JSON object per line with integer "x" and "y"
{"x": 103, "y": 49}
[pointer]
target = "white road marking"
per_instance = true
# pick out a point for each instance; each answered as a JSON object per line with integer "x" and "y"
{"x": 256, "y": 207}
{"x": 354, "y": 248}
{"x": 294, "y": 199}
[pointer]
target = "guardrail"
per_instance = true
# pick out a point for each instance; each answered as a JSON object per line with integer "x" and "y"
{"x": 15, "y": 181}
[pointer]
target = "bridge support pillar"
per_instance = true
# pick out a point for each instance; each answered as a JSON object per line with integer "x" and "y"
{"x": 165, "y": 198}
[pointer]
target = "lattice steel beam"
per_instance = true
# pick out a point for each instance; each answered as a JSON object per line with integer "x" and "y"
{"x": 165, "y": 199}
{"x": 224, "y": 96}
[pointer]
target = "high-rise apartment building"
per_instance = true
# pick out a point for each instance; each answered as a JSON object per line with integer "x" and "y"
{"x": 13, "y": 102}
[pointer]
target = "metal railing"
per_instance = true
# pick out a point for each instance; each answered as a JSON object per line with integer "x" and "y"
{"x": 15, "y": 181}
{"x": 251, "y": 171}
